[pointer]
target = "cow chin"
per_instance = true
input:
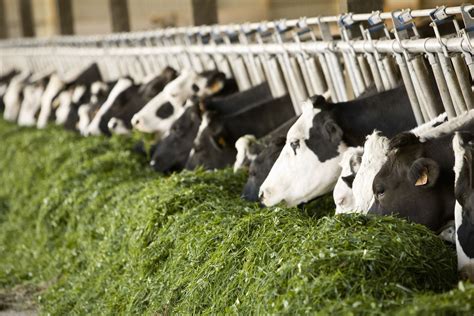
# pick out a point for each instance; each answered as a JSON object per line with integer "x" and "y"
{"x": 296, "y": 179}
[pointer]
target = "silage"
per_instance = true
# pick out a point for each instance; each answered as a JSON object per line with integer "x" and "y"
{"x": 110, "y": 236}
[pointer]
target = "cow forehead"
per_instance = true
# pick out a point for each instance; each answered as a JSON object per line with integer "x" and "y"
{"x": 178, "y": 83}
{"x": 303, "y": 124}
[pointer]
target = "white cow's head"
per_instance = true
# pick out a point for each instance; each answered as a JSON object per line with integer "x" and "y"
{"x": 30, "y": 105}
{"x": 55, "y": 85}
{"x": 376, "y": 148}
{"x": 308, "y": 165}
{"x": 343, "y": 195}
{"x": 244, "y": 155}
{"x": 159, "y": 114}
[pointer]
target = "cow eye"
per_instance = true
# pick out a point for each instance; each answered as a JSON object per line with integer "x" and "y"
{"x": 379, "y": 192}
{"x": 295, "y": 145}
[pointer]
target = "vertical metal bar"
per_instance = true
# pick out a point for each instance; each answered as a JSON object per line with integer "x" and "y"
{"x": 27, "y": 21}
{"x": 442, "y": 86}
{"x": 453, "y": 85}
{"x": 65, "y": 17}
{"x": 462, "y": 75}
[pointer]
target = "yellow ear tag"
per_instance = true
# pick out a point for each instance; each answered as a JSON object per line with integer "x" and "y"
{"x": 216, "y": 87}
{"x": 221, "y": 141}
{"x": 423, "y": 179}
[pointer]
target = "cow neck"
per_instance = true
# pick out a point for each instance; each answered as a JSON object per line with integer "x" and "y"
{"x": 388, "y": 112}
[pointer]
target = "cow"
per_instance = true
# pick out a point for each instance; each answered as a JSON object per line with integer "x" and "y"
{"x": 14, "y": 95}
{"x": 416, "y": 180}
{"x": 158, "y": 115}
{"x": 99, "y": 91}
{"x": 77, "y": 83}
{"x": 4, "y": 82}
{"x": 31, "y": 102}
{"x": 261, "y": 158}
{"x": 342, "y": 193}
{"x": 353, "y": 190}
{"x": 214, "y": 145}
{"x": 120, "y": 123}
{"x": 118, "y": 96}
{"x": 463, "y": 147}
{"x": 308, "y": 165}
{"x": 172, "y": 151}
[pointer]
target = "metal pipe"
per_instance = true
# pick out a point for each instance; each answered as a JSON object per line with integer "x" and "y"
{"x": 462, "y": 75}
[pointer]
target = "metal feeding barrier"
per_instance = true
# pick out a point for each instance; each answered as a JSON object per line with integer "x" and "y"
{"x": 299, "y": 57}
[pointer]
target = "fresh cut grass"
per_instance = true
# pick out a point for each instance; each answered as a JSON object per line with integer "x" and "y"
{"x": 95, "y": 231}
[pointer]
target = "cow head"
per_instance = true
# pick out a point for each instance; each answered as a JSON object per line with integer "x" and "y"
{"x": 308, "y": 165}
{"x": 120, "y": 123}
{"x": 266, "y": 155}
{"x": 158, "y": 114}
{"x": 413, "y": 184}
{"x": 122, "y": 91}
{"x": 246, "y": 151}
{"x": 211, "y": 148}
{"x": 172, "y": 151}
{"x": 342, "y": 194}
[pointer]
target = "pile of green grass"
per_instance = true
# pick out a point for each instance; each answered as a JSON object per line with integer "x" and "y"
{"x": 87, "y": 220}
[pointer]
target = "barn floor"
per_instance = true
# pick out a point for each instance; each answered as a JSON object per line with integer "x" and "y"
{"x": 91, "y": 225}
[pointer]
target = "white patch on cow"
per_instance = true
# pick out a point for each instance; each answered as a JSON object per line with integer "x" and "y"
{"x": 428, "y": 127}
{"x": 448, "y": 232}
{"x": 176, "y": 92}
{"x": 448, "y": 127}
{"x": 3, "y": 89}
{"x": 12, "y": 99}
{"x": 342, "y": 193}
{"x": 243, "y": 151}
{"x": 300, "y": 177}
{"x": 98, "y": 86}
{"x": 30, "y": 105}
{"x": 120, "y": 86}
{"x": 62, "y": 112}
{"x": 84, "y": 118}
{"x": 52, "y": 89}
{"x": 117, "y": 126}
{"x": 204, "y": 124}
{"x": 465, "y": 263}
{"x": 78, "y": 93}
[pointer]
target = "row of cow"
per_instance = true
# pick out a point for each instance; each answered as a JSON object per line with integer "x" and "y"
{"x": 368, "y": 151}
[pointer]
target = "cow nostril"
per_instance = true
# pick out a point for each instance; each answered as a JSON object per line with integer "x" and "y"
{"x": 135, "y": 121}
{"x": 113, "y": 125}
{"x": 261, "y": 196}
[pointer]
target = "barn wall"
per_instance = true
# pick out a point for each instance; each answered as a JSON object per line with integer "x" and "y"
{"x": 93, "y": 16}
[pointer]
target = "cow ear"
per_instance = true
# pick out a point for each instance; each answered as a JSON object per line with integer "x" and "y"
{"x": 332, "y": 131}
{"x": 216, "y": 82}
{"x": 424, "y": 172}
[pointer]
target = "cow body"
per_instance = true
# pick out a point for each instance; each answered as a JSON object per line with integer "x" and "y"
{"x": 214, "y": 145}
{"x": 308, "y": 165}
{"x": 463, "y": 146}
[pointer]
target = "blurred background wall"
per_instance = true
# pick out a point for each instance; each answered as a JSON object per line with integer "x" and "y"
{"x": 94, "y": 16}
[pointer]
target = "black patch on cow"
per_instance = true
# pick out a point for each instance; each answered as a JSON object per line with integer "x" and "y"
{"x": 349, "y": 180}
{"x": 324, "y": 137}
{"x": 165, "y": 111}
{"x": 318, "y": 101}
{"x": 295, "y": 145}
{"x": 403, "y": 139}
{"x": 466, "y": 236}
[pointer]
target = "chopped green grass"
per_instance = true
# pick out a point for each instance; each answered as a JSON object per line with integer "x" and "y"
{"x": 87, "y": 217}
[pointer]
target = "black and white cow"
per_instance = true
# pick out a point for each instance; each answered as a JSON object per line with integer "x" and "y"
{"x": 463, "y": 146}
{"x": 120, "y": 123}
{"x": 159, "y": 114}
{"x": 4, "y": 82}
{"x": 353, "y": 190}
{"x": 416, "y": 180}
{"x": 308, "y": 165}
{"x": 14, "y": 95}
{"x": 214, "y": 145}
{"x": 99, "y": 92}
{"x": 172, "y": 151}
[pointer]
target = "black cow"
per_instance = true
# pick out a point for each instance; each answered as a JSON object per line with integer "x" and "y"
{"x": 266, "y": 151}
{"x": 416, "y": 181}
{"x": 214, "y": 145}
